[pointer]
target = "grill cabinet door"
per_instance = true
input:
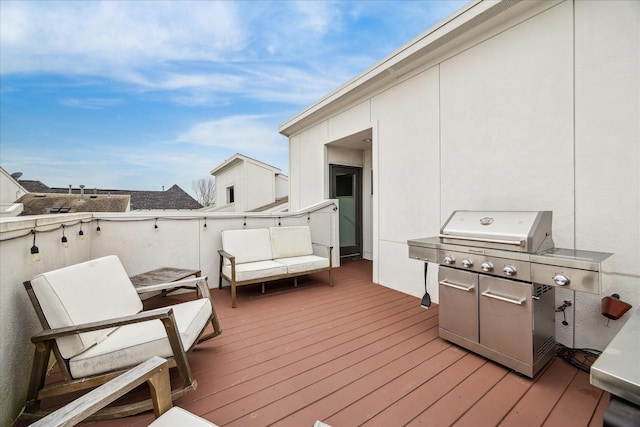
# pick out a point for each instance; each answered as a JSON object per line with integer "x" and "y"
{"x": 506, "y": 321}
{"x": 458, "y": 309}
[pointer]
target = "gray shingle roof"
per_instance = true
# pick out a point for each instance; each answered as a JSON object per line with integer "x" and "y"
{"x": 52, "y": 203}
{"x": 173, "y": 198}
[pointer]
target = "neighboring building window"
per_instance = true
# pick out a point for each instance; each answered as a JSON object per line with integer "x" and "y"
{"x": 230, "y": 195}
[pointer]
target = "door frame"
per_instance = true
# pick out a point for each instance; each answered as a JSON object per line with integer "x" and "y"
{"x": 355, "y": 251}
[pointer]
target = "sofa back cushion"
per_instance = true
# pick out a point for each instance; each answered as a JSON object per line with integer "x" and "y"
{"x": 87, "y": 292}
{"x": 289, "y": 242}
{"x": 248, "y": 245}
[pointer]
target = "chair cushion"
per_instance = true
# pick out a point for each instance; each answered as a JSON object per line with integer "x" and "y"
{"x": 255, "y": 270}
{"x": 179, "y": 417}
{"x": 132, "y": 344}
{"x": 287, "y": 242}
{"x": 247, "y": 245}
{"x": 300, "y": 264}
{"x": 87, "y": 292}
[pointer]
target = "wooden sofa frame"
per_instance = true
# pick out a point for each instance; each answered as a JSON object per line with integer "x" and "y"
{"x": 235, "y": 283}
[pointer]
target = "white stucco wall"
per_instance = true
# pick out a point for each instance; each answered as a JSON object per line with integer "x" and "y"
{"x": 535, "y": 109}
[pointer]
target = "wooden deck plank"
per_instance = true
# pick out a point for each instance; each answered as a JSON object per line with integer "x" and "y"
{"x": 497, "y": 402}
{"x": 315, "y": 386}
{"x": 538, "y": 402}
{"x": 414, "y": 403}
{"x": 343, "y": 359}
{"x": 576, "y": 404}
{"x": 379, "y": 400}
{"x": 454, "y": 404}
{"x": 291, "y": 363}
{"x": 360, "y": 354}
{"x": 350, "y": 395}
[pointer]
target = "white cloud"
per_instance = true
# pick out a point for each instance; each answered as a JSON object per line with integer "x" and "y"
{"x": 93, "y": 37}
{"x": 237, "y": 133}
{"x": 90, "y": 103}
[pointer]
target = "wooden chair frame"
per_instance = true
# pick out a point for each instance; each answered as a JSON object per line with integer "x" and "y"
{"x": 154, "y": 371}
{"x": 45, "y": 343}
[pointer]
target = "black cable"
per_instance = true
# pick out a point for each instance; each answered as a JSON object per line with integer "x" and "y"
{"x": 581, "y": 358}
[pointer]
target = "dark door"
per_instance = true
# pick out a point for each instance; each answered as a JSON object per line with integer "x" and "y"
{"x": 346, "y": 186}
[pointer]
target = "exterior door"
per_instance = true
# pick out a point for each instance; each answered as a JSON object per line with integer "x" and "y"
{"x": 346, "y": 186}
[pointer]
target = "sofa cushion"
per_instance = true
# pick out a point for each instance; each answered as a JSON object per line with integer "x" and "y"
{"x": 287, "y": 242}
{"x": 82, "y": 293}
{"x": 300, "y": 264}
{"x": 255, "y": 270}
{"x": 247, "y": 245}
{"x": 131, "y": 344}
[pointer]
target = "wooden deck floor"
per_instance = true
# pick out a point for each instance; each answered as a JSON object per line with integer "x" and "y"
{"x": 362, "y": 354}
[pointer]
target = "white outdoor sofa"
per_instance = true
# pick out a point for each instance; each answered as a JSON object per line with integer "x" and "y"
{"x": 259, "y": 255}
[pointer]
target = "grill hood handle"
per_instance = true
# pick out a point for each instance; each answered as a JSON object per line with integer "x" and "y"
{"x": 477, "y": 239}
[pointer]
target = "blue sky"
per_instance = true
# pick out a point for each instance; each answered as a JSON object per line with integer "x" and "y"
{"x": 143, "y": 94}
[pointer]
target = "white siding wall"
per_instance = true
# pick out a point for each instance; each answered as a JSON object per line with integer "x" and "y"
{"x": 282, "y": 186}
{"x": 262, "y": 189}
{"x": 607, "y": 152}
{"x": 308, "y": 162}
{"x": 408, "y": 192}
{"x": 538, "y": 112}
{"x": 235, "y": 177}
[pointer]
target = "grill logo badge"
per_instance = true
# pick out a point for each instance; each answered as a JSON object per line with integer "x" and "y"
{"x": 487, "y": 220}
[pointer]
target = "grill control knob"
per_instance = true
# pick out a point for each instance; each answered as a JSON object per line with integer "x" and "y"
{"x": 561, "y": 280}
{"x": 486, "y": 266}
{"x": 467, "y": 263}
{"x": 509, "y": 270}
{"x": 449, "y": 260}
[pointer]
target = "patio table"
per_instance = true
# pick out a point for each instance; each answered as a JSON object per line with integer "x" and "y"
{"x": 165, "y": 275}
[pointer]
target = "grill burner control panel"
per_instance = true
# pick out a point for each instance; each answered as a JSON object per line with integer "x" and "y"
{"x": 577, "y": 270}
{"x": 495, "y": 266}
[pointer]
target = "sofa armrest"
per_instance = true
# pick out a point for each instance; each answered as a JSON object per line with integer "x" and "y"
{"x": 232, "y": 260}
{"x": 227, "y": 255}
{"x": 329, "y": 249}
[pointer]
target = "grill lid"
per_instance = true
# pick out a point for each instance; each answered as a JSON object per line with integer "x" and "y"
{"x": 519, "y": 231}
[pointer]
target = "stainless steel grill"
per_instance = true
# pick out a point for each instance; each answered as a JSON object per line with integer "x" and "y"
{"x": 497, "y": 279}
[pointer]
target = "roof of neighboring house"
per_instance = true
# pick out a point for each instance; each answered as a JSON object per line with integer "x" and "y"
{"x": 277, "y": 204}
{"x": 239, "y": 158}
{"x": 51, "y": 203}
{"x": 173, "y": 198}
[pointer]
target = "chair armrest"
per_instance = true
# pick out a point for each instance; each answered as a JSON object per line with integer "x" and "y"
{"x": 155, "y": 370}
{"x": 143, "y": 316}
{"x": 193, "y": 282}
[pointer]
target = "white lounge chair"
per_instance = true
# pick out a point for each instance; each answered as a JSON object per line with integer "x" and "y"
{"x": 93, "y": 321}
